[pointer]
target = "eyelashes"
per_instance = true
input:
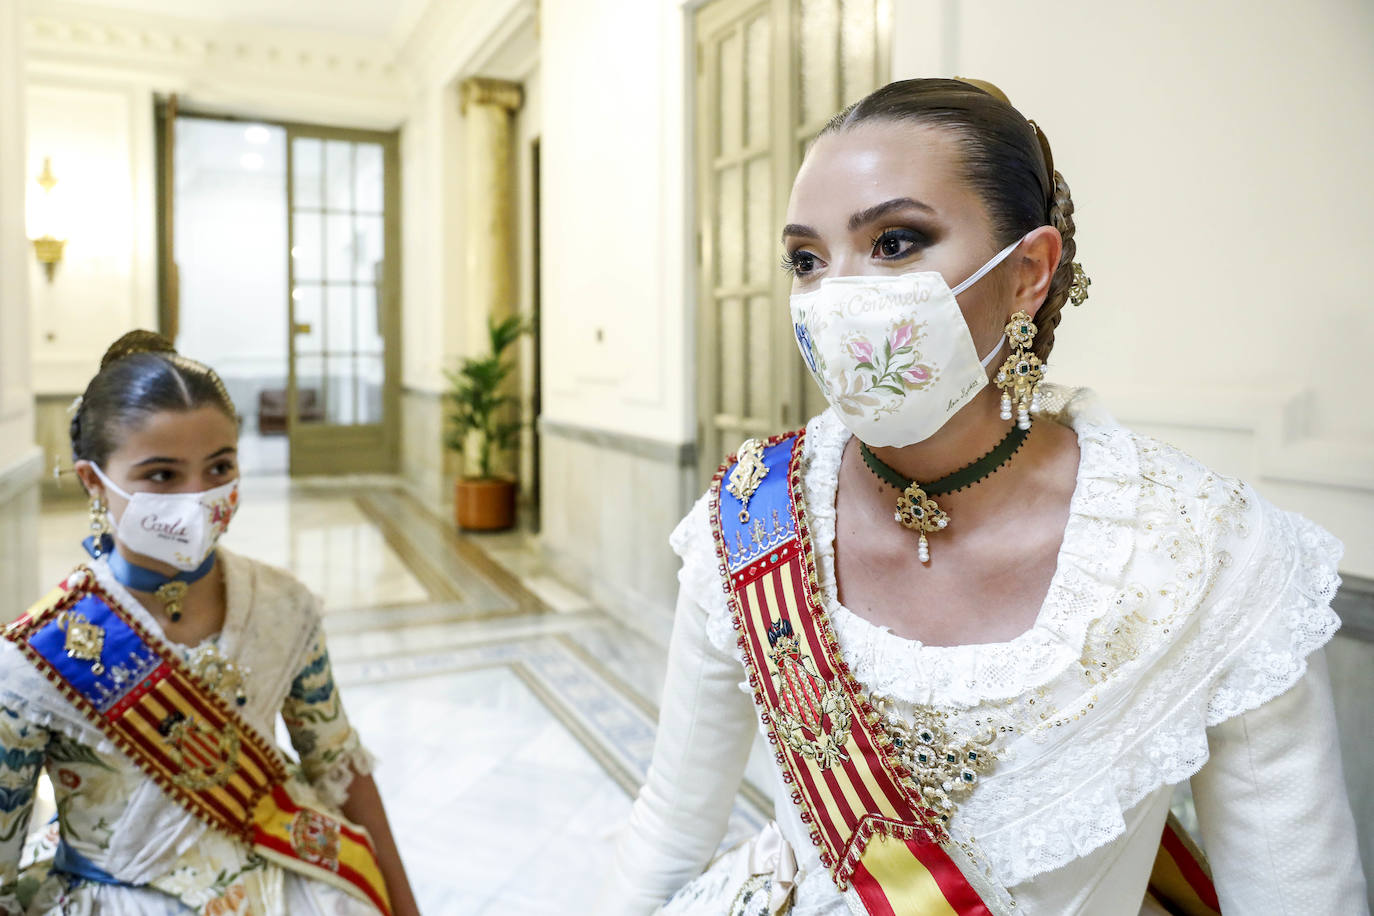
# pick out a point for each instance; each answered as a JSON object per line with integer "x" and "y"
{"x": 904, "y": 241}
{"x": 799, "y": 264}
{"x": 894, "y": 244}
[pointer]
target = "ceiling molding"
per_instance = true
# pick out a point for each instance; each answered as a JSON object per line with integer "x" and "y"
{"x": 452, "y": 40}
{"x": 215, "y": 61}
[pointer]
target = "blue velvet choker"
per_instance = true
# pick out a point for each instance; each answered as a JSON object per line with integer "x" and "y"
{"x": 170, "y": 590}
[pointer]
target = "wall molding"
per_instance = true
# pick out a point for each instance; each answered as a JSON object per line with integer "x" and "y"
{"x": 680, "y": 454}
{"x": 222, "y": 68}
{"x": 451, "y": 40}
{"x": 1283, "y": 446}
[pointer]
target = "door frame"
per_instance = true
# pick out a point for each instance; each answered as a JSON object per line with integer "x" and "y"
{"x": 325, "y": 460}
{"x": 344, "y": 449}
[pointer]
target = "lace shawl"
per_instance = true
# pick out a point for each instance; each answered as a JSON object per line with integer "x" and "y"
{"x": 1181, "y": 599}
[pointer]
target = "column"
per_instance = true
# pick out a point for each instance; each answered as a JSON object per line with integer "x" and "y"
{"x": 489, "y": 108}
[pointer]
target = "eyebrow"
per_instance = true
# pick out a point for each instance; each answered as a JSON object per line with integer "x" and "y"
{"x": 798, "y": 231}
{"x": 877, "y": 212}
{"x": 160, "y": 459}
{"x": 860, "y": 219}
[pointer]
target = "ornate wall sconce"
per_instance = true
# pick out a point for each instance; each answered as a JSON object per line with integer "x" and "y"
{"x": 45, "y": 229}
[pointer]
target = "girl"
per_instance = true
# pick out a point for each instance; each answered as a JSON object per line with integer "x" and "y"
{"x": 149, "y": 682}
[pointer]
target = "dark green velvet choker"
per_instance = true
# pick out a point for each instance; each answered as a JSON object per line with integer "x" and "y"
{"x": 916, "y": 507}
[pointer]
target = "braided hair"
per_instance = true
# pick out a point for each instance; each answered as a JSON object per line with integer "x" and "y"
{"x": 140, "y": 375}
{"x": 1006, "y": 159}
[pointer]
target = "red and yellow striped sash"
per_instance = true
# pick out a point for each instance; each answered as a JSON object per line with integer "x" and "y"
{"x": 879, "y": 842}
{"x": 206, "y": 757}
{"x": 873, "y": 834}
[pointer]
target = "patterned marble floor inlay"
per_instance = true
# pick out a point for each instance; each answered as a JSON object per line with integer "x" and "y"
{"x": 512, "y": 719}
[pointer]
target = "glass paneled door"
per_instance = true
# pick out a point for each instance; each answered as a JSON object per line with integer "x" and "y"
{"x": 343, "y": 391}
{"x": 770, "y": 73}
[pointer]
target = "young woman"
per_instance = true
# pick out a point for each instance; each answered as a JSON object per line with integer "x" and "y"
{"x": 985, "y": 629}
{"x": 148, "y": 684}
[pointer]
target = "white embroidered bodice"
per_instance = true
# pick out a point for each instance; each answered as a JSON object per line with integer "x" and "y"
{"x": 1181, "y": 600}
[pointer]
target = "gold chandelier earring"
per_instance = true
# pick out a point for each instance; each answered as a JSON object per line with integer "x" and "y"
{"x": 1020, "y": 376}
{"x": 100, "y": 523}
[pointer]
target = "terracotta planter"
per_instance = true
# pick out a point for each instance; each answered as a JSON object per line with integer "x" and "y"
{"x": 484, "y": 505}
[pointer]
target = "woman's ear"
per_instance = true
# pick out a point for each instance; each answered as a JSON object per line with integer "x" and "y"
{"x": 1034, "y": 265}
{"x": 85, "y": 472}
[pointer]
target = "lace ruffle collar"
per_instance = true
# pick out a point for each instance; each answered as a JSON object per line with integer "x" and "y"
{"x": 1092, "y": 559}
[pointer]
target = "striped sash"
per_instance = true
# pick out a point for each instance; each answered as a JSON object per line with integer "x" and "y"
{"x": 141, "y": 696}
{"x": 885, "y": 849}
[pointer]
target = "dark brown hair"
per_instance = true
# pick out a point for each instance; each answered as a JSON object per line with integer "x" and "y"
{"x": 1006, "y": 160}
{"x": 140, "y": 375}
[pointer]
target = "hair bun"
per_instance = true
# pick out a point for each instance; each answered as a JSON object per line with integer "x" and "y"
{"x": 139, "y": 341}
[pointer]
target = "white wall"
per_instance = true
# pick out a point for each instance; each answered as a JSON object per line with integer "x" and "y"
{"x": 92, "y": 74}
{"x": 617, "y": 351}
{"x": 16, "y": 395}
{"x": 1218, "y": 155}
{"x": 20, "y": 459}
{"x": 100, "y": 140}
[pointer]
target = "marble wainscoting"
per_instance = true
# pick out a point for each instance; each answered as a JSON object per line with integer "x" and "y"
{"x": 609, "y": 503}
{"x": 20, "y": 583}
{"x": 426, "y": 466}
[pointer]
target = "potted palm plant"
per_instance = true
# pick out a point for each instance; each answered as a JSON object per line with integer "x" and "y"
{"x": 480, "y": 428}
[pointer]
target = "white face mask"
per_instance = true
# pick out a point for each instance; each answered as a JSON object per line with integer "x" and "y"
{"x": 179, "y": 529}
{"x": 892, "y": 354}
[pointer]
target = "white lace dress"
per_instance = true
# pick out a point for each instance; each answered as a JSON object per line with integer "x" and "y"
{"x": 116, "y": 818}
{"x": 1176, "y": 643}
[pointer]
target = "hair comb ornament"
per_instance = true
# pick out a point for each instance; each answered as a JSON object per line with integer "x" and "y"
{"x": 1044, "y": 149}
{"x": 1078, "y": 289}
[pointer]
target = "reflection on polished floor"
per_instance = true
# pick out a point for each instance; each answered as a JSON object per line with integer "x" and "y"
{"x": 513, "y": 720}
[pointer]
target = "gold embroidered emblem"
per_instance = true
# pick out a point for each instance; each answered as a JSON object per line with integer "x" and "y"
{"x": 945, "y": 765}
{"x": 747, "y": 474}
{"x": 813, "y": 717}
{"x": 315, "y": 839}
{"x": 204, "y": 757}
{"x": 85, "y": 640}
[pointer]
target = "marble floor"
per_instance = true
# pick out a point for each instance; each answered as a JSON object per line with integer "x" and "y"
{"x": 513, "y": 720}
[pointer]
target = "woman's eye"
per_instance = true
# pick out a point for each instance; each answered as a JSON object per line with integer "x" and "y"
{"x": 160, "y": 476}
{"x": 800, "y": 263}
{"x": 896, "y": 243}
{"x": 224, "y": 467}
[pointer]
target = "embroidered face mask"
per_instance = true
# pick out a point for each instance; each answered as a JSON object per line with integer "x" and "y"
{"x": 179, "y": 529}
{"x": 892, "y": 354}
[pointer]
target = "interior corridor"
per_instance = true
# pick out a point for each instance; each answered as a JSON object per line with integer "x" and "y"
{"x": 513, "y": 720}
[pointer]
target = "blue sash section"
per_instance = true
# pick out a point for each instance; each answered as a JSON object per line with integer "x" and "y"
{"x": 770, "y": 510}
{"x": 127, "y": 659}
{"x": 70, "y": 862}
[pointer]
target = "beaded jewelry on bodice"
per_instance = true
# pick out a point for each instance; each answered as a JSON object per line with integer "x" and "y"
{"x": 945, "y": 761}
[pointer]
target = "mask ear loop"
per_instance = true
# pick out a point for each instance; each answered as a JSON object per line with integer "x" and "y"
{"x": 982, "y": 272}
{"x": 987, "y": 360}
{"x": 108, "y": 482}
{"x": 979, "y": 274}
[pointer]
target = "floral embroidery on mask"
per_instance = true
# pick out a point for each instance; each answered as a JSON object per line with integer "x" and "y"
{"x": 884, "y": 371}
{"x": 221, "y": 511}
